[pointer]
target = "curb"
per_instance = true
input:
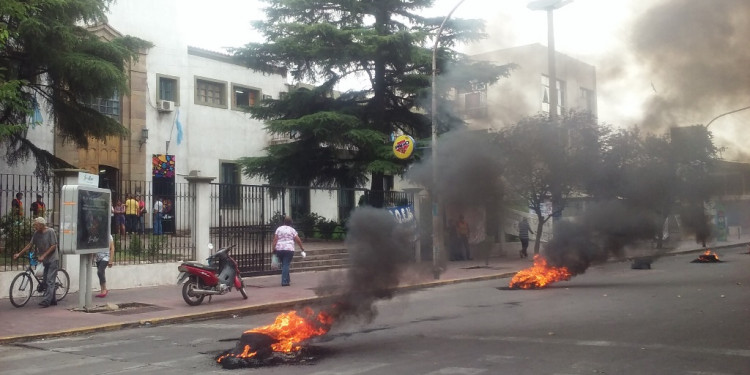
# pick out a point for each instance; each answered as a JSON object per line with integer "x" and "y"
{"x": 225, "y": 313}
{"x": 275, "y": 306}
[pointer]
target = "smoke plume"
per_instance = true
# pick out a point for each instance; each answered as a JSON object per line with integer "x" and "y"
{"x": 379, "y": 249}
{"x": 696, "y": 55}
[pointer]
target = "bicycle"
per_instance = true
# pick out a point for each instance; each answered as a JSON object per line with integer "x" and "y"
{"x": 22, "y": 287}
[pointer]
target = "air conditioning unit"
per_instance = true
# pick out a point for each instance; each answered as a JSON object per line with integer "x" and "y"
{"x": 165, "y": 105}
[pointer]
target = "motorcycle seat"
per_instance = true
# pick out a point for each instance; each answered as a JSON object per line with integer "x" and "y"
{"x": 201, "y": 266}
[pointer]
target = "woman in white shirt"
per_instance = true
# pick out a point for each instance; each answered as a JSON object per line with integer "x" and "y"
{"x": 283, "y": 246}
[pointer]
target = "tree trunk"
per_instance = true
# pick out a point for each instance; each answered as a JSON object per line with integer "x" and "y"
{"x": 539, "y": 229}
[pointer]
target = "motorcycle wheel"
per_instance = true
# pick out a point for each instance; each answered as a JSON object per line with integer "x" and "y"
{"x": 242, "y": 290}
{"x": 189, "y": 296}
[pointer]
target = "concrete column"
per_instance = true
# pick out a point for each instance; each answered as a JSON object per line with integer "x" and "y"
{"x": 200, "y": 187}
{"x": 416, "y": 198}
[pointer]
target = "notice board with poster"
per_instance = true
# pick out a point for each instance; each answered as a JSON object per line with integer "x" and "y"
{"x": 85, "y": 219}
{"x": 163, "y": 177}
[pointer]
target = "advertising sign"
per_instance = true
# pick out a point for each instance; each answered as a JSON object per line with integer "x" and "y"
{"x": 85, "y": 219}
{"x": 403, "y": 146}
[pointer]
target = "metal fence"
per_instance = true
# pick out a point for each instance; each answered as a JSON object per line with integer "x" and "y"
{"x": 135, "y": 245}
{"x": 15, "y": 231}
{"x": 246, "y": 216}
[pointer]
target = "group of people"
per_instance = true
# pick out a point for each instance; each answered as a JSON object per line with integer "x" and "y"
{"x": 43, "y": 244}
{"x": 37, "y": 208}
{"x": 129, "y": 217}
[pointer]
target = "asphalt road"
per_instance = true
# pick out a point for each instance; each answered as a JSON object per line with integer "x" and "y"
{"x": 677, "y": 318}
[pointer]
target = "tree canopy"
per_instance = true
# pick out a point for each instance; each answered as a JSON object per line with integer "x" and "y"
{"x": 49, "y": 58}
{"x": 342, "y": 139}
{"x": 547, "y": 158}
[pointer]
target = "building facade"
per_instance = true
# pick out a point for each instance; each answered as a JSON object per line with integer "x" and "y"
{"x": 526, "y": 91}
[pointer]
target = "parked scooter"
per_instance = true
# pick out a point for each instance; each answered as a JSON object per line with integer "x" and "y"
{"x": 219, "y": 276}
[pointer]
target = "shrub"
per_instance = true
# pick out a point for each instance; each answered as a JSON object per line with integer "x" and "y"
{"x": 136, "y": 246}
{"x": 276, "y": 220}
{"x": 327, "y": 228}
{"x": 16, "y": 232}
{"x": 156, "y": 243}
{"x": 306, "y": 224}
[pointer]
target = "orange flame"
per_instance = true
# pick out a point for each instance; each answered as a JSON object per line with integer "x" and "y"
{"x": 709, "y": 256}
{"x": 288, "y": 331}
{"x": 711, "y": 253}
{"x": 539, "y": 275}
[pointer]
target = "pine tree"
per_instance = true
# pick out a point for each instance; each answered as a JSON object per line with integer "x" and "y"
{"x": 48, "y": 57}
{"x": 342, "y": 139}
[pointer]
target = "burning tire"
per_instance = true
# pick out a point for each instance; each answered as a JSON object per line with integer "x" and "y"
{"x": 189, "y": 295}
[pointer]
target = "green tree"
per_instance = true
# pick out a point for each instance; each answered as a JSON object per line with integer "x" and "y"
{"x": 550, "y": 161}
{"x": 48, "y": 57}
{"x": 667, "y": 174}
{"x": 344, "y": 139}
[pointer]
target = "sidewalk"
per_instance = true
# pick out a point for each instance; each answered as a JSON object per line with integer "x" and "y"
{"x": 164, "y": 304}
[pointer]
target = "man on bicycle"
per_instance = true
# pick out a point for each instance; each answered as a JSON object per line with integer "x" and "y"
{"x": 44, "y": 241}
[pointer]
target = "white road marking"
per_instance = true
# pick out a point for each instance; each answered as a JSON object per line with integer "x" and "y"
{"x": 603, "y": 343}
{"x": 361, "y": 369}
{"x": 457, "y": 371}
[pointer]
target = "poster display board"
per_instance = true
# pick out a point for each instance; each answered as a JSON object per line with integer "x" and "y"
{"x": 85, "y": 219}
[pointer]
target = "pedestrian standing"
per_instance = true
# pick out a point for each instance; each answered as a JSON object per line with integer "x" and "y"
{"x": 141, "y": 214}
{"x": 283, "y": 246}
{"x": 104, "y": 260}
{"x": 16, "y": 206}
{"x": 44, "y": 243}
{"x": 158, "y": 216}
{"x": 37, "y": 207}
{"x": 119, "y": 216}
{"x": 131, "y": 214}
{"x": 523, "y": 233}
{"x": 462, "y": 239}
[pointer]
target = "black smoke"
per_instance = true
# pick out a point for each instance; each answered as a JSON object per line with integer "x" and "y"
{"x": 606, "y": 230}
{"x": 380, "y": 248}
{"x": 695, "y": 54}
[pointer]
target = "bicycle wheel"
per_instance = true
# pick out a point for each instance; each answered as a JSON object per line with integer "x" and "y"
{"x": 21, "y": 289}
{"x": 62, "y": 283}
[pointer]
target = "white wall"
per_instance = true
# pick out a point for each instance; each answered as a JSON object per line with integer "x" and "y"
{"x": 210, "y": 134}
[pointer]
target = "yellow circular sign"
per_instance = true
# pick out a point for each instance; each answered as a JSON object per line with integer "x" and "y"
{"x": 403, "y": 146}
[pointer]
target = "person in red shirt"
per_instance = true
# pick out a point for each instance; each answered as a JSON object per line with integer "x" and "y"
{"x": 37, "y": 207}
{"x": 17, "y": 206}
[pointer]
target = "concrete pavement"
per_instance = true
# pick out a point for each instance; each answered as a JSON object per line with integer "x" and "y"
{"x": 146, "y": 306}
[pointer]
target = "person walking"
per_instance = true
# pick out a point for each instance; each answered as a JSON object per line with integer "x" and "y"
{"x": 44, "y": 242}
{"x": 283, "y": 246}
{"x": 158, "y": 216}
{"x": 523, "y": 233}
{"x": 103, "y": 260}
{"x": 37, "y": 207}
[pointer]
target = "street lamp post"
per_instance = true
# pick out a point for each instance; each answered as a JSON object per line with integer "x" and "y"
{"x": 437, "y": 222}
{"x": 550, "y": 6}
{"x": 727, "y": 113}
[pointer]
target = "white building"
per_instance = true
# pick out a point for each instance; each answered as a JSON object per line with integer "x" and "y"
{"x": 526, "y": 91}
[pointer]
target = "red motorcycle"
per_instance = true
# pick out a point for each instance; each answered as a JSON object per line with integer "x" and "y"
{"x": 219, "y": 276}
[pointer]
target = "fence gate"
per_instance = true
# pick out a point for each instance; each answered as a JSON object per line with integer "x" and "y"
{"x": 242, "y": 216}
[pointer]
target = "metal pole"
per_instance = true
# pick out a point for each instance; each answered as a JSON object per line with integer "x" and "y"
{"x": 724, "y": 114}
{"x": 552, "y": 68}
{"x": 437, "y": 222}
